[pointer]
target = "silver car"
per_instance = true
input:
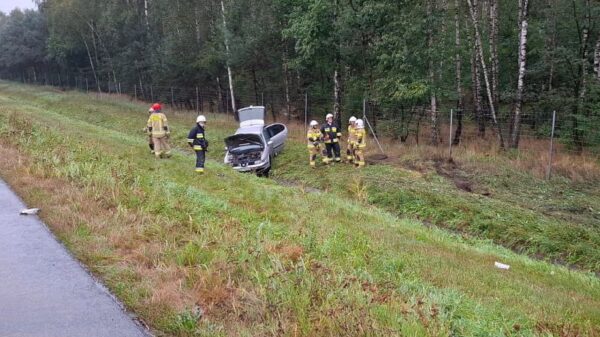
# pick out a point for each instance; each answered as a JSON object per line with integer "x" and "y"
{"x": 254, "y": 144}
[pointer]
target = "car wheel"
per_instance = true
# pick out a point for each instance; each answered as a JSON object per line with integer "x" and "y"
{"x": 265, "y": 172}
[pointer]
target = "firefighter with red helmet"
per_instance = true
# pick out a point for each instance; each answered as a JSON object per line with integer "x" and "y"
{"x": 158, "y": 129}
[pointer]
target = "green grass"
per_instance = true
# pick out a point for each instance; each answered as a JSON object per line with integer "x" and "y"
{"x": 557, "y": 220}
{"x": 166, "y": 240}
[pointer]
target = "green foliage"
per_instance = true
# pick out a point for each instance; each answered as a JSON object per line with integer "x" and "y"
{"x": 365, "y": 272}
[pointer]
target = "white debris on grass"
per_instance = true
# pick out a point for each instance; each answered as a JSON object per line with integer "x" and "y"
{"x": 501, "y": 265}
{"x": 30, "y": 211}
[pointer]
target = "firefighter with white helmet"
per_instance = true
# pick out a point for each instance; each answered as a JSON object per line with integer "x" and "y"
{"x": 351, "y": 139}
{"x": 314, "y": 137}
{"x": 197, "y": 140}
{"x": 158, "y": 129}
{"x": 360, "y": 143}
{"x": 331, "y": 137}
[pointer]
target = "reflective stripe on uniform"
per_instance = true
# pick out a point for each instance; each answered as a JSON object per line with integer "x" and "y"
{"x": 190, "y": 140}
{"x": 199, "y": 135}
{"x": 197, "y": 148}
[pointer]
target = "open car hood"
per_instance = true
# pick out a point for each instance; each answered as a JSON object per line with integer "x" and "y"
{"x": 253, "y": 115}
{"x": 244, "y": 140}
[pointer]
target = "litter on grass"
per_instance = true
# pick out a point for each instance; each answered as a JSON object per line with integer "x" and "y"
{"x": 501, "y": 265}
{"x": 30, "y": 211}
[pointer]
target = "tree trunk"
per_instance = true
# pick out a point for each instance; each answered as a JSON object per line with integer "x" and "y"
{"x": 479, "y": 48}
{"x": 476, "y": 79}
{"x": 220, "y": 103}
{"x": 597, "y": 59}
{"x": 581, "y": 87}
{"x": 495, "y": 66}
{"x": 524, "y": 25}
{"x": 146, "y": 15}
{"x": 87, "y": 48}
{"x": 550, "y": 49}
{"x": 229, "y": 73}
{"x": 458, "y": 64}
{"x": 337, "y": 93}
{"x": 337, "y": 83}
{"x": 433, "y": 113}
{"x": 286, "y": 82}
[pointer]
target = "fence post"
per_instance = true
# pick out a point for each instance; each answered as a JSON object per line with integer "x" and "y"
{"x": 172, "y": 99}
{"x": 371, "y": 127}
{"x": 549, "y": 172}
{"x": 226, "y": 104}
{"x": 306, "y": 111}
{"x": 197, "y": 101}
{"x": 120, "y": 92}
{"x": 87, "y": 86}
{"x": 151, "y": 93}
{"x": 135, "y": 91}
{"x": 262, "y": 98}
{"x": 450, "y": 136}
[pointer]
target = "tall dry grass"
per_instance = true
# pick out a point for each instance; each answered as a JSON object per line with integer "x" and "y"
{"x": 484, "y": 154}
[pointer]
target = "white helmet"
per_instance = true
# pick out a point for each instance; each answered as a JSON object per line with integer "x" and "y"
{"x": 201, "y": 119}
{"x": 314, "y": 123}
{"x": 352, "y": 119}
{"x": 360, "y": 124}
{"x": 329, "y": 116}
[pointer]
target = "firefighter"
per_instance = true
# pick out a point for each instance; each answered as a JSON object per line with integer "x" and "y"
{"x": 360, "y": 143}
{"x": 331, "y": 137}
{"x": 158, "y": 129}
{"x": 351, "y": 139}
{"x": 197, "y": 140}
{"x": 314, "y": 136}
{"x": 150, "y": 143}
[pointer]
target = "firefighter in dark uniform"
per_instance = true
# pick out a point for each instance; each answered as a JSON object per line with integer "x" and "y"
{"x": 331, "y": 137}
{"x": 197, "y": 140}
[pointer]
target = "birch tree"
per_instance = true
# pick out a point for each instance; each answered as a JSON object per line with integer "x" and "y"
{"x": 229, "y": 72}
{"x": 433, "y": 113}
{"x": 518, "y": 104}
{"x": 479, "y": 49}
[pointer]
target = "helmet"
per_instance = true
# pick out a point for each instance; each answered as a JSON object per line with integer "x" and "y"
{"x": 329, "y": 116}
{"x": 352, "y": 119}
{"x": 200, "y": 119}
{"x": 156, "y": 107}
{"x": 314, "y": 123}
{"x": 360, "y": 124}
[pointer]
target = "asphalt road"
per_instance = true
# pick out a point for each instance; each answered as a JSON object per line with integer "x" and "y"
{"x": 44, "y": 291}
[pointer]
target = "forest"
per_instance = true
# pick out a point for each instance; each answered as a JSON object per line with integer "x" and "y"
{"x": 503, "y": 67}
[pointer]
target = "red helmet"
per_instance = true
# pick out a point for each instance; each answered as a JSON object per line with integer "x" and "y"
{"x": 156, "y": 107}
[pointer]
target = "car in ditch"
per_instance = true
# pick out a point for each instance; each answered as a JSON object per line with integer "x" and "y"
{"x": 254, "y": 144}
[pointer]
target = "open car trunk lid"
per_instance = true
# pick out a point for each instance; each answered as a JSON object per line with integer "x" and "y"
{"x": 254, "y": 115}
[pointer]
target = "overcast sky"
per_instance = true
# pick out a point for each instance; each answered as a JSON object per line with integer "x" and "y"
{"x": 8, "y": 5}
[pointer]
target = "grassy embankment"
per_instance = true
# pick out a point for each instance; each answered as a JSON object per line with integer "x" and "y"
{"x": 263, "y": 259}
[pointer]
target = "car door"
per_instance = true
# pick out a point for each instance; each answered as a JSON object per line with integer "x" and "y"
{"x": 278, "y": 134}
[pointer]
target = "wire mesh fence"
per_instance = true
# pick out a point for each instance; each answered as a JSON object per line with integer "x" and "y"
{"x": 554, "y": 133}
